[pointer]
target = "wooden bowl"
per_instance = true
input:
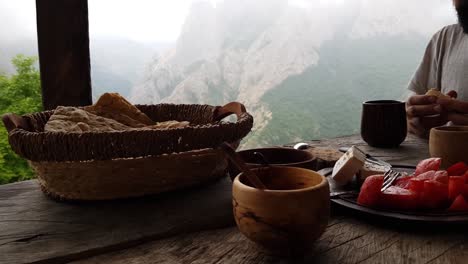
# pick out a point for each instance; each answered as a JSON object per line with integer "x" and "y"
{"x": 284, "y": 157}
{"x": 449, "y": 143}
{"x": 287, "y": 218}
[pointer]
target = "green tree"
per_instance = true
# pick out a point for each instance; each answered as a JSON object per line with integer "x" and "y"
{"x": 20, "y": 93}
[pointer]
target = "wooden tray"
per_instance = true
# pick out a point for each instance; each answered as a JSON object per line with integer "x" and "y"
{"x": 350, "y": 201}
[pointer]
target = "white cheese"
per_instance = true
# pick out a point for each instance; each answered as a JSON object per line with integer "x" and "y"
{"x": 370, "y": 169}
{"x": 348, "y": 165}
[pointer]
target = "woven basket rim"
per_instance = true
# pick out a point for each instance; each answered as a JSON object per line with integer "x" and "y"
{"x": 244, "y": 117}
{"x": 62, "y": 146}
{"x": 214, "y": 124}
{"x": 190, "y": 152}
{"x": 154, "y": 130}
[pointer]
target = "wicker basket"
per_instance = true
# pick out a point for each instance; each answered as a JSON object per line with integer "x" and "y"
{"x": 114, "y": 165}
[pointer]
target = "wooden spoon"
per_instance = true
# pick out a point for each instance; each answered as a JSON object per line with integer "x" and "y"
{"x": 240, "y": 164}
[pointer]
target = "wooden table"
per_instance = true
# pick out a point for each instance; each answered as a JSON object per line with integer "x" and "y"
{"x": 161, "y": 229}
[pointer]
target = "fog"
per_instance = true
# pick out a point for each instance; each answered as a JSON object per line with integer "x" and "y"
{"x": 278, "y": 57}
{"x": 161, "y": 21}
{"x": 144, "y": 28}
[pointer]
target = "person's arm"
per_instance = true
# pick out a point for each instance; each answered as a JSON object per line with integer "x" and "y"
{"x": 422, "y": 111}
{"x": 425, "y": 76}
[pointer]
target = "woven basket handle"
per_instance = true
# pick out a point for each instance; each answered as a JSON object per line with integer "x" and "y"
{"x": 13, "y": 121}
{"x": 221, "y": 112}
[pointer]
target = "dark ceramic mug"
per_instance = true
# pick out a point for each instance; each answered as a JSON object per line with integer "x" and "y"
{"x": 383, "y": 123}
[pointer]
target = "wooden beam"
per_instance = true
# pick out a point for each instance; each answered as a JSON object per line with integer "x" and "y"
{"x": 63, "y": 40}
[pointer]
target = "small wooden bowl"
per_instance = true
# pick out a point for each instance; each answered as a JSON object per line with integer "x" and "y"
{"x": 287, "y": 218}
{"x": 449, "y": 143}
{"x": 283, "y": 157}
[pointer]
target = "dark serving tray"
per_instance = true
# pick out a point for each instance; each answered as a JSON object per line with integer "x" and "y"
{"x": 350, "y": 201}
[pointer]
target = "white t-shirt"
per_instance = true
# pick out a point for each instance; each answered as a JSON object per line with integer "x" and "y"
{"x": 445, "y": 64}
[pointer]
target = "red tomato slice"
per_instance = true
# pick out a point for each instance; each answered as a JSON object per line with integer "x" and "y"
{"x": 456, "y": 187}
{"x": 434, "y": 195}
{"x": 370, "y": 191}
{"x": 465, "y": 191}
{"x": 403, "y": 182}
{"x": 466, "y": 177}
{"x": 459, "y": 204}
{"x": 428, "y": 165}
{"x": 416, "y": 186}
{"x": 458, "y": 169}
{"x": 426, "y": 176}
{"x": 399, "y": 198}
{"x": 442, "y": 176}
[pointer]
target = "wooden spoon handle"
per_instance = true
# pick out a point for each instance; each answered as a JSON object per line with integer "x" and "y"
{"x": 256, "y": 182}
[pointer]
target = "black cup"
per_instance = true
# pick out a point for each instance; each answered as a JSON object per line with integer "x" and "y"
{"x": 383, "y": 123}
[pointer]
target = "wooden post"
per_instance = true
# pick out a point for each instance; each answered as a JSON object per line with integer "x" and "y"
{"x": 63, "y": 40}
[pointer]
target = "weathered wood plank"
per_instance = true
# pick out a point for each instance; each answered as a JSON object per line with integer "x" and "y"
{"x": 63, "y": 40}
{"x": 34, "y": 228}
{"x": 457, "y": 254}
{"x": 409, "y": 153}
{"x": 349, "y": 238}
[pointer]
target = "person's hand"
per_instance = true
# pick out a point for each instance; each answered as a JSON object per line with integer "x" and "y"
{"x": 457, "y": 111}
{"x": 423, "y": 113}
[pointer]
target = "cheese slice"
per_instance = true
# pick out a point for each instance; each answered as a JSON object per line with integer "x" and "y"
{"x": 370, "y": 169}
{"x": 348, "y": 165}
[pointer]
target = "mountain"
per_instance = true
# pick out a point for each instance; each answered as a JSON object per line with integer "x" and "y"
{"x": 325, "y": 100}
{"x": 303, "y": 72}
{"x": 117, "y": 64}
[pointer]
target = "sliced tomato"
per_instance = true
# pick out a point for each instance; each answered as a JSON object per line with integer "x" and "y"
{"x": 456, "y": 187}
{"x": 442, "y": 176}
{"x": 465, "y": 191}
{"x": 403, "y": 182}
{"x": 416, "y": 186}
{"x": 466, "y": 177}
{"x": 399, "y": 199}
{"x": 426, "y": 176}
{"x": 370, "y": 191}
{"x": 459, "y": 204}
{"x": 428, "y": 165}
{"x": 458, "y": 169}
{"x": 434, "y": 195}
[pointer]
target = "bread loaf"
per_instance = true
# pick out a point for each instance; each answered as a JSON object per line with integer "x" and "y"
{"x": 114, "y": 106}
{"x": 437, "y": 93}
{"x": 111, "y": 113}
{"x": 72, "y": 119}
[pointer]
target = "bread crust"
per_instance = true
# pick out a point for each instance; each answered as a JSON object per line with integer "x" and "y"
{"x": 114, "y": 106}
{"x": 437, "y": 93}
{"x": 75, "y": 120}
{"x": 111, "y": 113}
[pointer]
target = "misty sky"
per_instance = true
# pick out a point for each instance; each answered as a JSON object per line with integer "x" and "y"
{"x": 139, "y": 20}
{"x": 146, "y": 20}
